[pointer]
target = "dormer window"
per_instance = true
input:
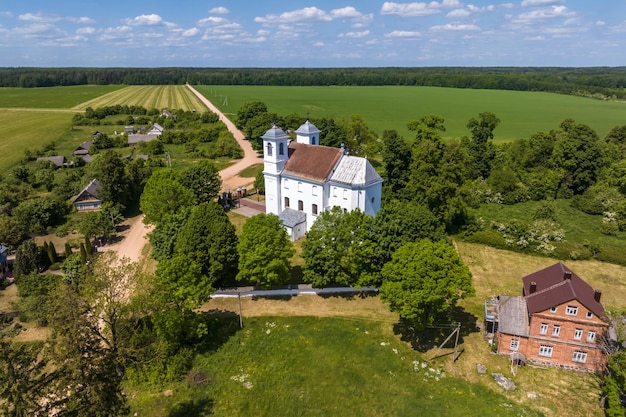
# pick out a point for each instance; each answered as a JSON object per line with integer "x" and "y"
{"x": 269, "y": 149}
{"x": 553, "y": 310}
{"x": 571, "y": 310}
{"x": 589, "y": 315}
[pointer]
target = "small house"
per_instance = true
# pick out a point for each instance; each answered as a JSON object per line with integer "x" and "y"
{"x": 155, "y": 129}
{"x": 88, "y": 198}
{"x": 83, "y": 148}
{"x": 59, "y": 161}
{"x": 4, "y": 268}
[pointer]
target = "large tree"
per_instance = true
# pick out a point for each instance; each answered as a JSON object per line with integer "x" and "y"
{"x": 164, "y": 195}
{"x": 396, "y": 155}
{"x": 424, "y": 280}
{"x": 264, "y": 251}
{"x": 480, "y": 146}
{"x": 27, "y": 259}
{"x": 340, "y": 249}
{"x": 163, "y": 237}
{"x": 208, "y": 238}
{"x": 203, "y": 180}
{"x": 110, "y": 170}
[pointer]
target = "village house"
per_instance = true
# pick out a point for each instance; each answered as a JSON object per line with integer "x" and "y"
{"x": 59, "y": 161}
{"x": 303, "y": 179}
{"x": 4, "y": 267}
{"x": 88, "y": 198}
{"x": 153, "y": 132}
{"x": 557, "y": 321}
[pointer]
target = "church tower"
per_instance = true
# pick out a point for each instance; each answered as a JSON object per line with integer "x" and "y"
{"x": 275, "y": 156}
{"x": 308, "y": 134}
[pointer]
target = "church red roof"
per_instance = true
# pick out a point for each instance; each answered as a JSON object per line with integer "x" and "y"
{"x": 312, "y": 162}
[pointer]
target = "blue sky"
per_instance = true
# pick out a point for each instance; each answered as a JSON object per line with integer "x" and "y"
{"x": 313, "y": 33}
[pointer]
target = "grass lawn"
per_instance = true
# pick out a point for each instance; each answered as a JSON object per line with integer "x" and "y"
{"x": 392, "y": 107}
{"x": 312, "y": 366}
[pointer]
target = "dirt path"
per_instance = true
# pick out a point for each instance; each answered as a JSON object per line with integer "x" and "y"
{"x": 135, "y": 238}
{"x": 230, "y": 178}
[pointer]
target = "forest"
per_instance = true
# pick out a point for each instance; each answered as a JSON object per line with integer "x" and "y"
{"x": 599, "y": 82}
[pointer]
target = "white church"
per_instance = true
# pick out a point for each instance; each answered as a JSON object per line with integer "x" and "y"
{"x": 303, "y": 179}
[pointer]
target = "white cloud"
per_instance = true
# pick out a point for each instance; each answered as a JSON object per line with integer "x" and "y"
{"x": 318, "y": 44}
{"x": 459, "y": 13}
{"x": 82, "y": 20}
{"x": 212, "y": 20}
{"x": 29, "y": 17}
{"x": 403, "y": 34}
{"x": 145, "y": 20}
{"x": 418, "y": 8}
{"x": 86, "y": 31}
{"x": 526, "y": 3}
{"x": 191, "y": 32}
{"x": 305, "y": 15}
{"x": 541, "y": 14}
{"x": 6, "y": 14}
{"x": 219, "y": 10}
{"x": 600, "y": 23}
{"x": 454, "y": 27}
{"x": 354, "y": 34}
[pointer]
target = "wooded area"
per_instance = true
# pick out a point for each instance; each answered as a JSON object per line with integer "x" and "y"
{"x": 602, "y": 82}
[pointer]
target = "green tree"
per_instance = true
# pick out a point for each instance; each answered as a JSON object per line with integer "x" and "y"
{"x": 35, "y": 291}
{"x": 264, "y": 251}
{"x": 577, "y": 152}
{"x": 340, "y": 249}
{"x": 11, "y": 234}
{"x": 203, "y": 180}
{"x": 164, "y": 195}
{"x": 163, "y": 237}
{"x": 614, "y": 385}
{"x": 397, "y": 158}
{"x": 110, "y": 170}
{"x": 27, "y": 259}
{"x": 24, "y": 379}
{"x": 424, "y": 280}
{"x": 259, "y": 183}
{"x": 183, "y": 280}
{"x": 37, "y": 215}
{"x": 480, "y": 146}
{"x": 249, "y": 110}
{"x": 208, "y": 238}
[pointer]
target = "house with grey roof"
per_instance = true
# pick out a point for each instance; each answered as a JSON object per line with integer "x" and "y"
{"x": 303, "y": 179}
{"x": 557, "y": 321}
{"x": 88, "y": 199}
{"x": 59, "y": 161}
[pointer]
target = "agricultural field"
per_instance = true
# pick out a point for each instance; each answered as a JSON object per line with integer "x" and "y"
{"x": 149, "y": 96}
{"x": 52, "y": 97}
{"x": 392, "y": 107}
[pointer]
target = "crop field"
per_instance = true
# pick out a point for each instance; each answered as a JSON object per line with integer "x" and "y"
{"x": 21, "y": 129}
{"x": 52, "y": 97}
{"x": 149, "y": 96}
{"x": 392, "y": 107}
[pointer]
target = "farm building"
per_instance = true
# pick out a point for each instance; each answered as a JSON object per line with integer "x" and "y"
{"x": 88, "y": 198}
{"x": 558, "y": 321}
{"x": 59, "y": 161}
{"x": 303, "y": 179}
{"x": 152, "y": 133}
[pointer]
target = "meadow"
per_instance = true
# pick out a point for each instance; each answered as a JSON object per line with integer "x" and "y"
{"x": 392, "y": 107}
{"x": 149, "y": 96}
{"x": 52, "y": 97}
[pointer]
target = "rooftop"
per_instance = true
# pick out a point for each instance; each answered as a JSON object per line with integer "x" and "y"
{"x": 311, "y": 162}
{"x": 353, "y": 170}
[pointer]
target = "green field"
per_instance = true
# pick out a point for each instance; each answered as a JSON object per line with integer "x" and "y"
{"x": 306, "y": 366}
{"x": 52, "y": 97}
{"x": 391, "y": 107}
{"x": 149, "y": 96}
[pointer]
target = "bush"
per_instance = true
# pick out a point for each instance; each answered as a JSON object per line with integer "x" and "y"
{"x": 612, "y": 255}
{"x": 587, "y": 204}
{"x": 487, "y": 237}
{"x": 571, "y": 250}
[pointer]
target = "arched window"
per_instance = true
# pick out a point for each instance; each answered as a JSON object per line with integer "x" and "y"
{"x": 281, "y": 148}
{"x": 269, "y": 149}
{"x": 313, "y": 140}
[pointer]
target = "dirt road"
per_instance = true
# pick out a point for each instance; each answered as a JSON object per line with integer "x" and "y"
{"x": 135, "y": 238}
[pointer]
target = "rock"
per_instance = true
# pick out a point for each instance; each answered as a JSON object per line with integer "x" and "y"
{"x": 532, "y": 395}
{"x": 504, "y": 382}
{"x": 482, "y": 369}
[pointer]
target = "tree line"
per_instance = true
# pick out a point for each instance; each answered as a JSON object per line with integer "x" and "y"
{"x": 600, "y": 82}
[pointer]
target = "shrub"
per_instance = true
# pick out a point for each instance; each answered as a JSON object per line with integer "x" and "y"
{"x": 487, "y": 237}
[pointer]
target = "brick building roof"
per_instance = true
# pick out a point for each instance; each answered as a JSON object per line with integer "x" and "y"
{"x": 555, "y": 285}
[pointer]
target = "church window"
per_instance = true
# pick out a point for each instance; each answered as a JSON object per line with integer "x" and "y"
{"x": 313, "y": 140}
{"x": 299, "y": 186}
{"x": 281, "y": 148}
{"x": 334, "y": 191}
{"x": 314, "y": 190}
{"x": 345, "y": 194}
{"x": 269, "y": 149}
{"x": 373, "y": 199}
{"x": 286, "y": 184}
{"x": 300, "y": 205}
{"x": 314, "y": 209}
{"x": 286, "y": 202}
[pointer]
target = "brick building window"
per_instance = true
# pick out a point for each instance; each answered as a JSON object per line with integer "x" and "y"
{"x": 578, "y": 334}
{"x": 544, "y": 328}
{"x": 591, "y": 336}
{"x": 552, "y": 309}
{"x": 556, "y": 330}
{"x": 579, "y": 356}
{"x": 589, "y": 315}
{"x": 545, "y": 350}
{"x": 514, "y": 346}
{"x": 571, "y": 310}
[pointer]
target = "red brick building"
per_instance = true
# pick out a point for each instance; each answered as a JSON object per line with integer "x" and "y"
{"x": 558, "y": 321}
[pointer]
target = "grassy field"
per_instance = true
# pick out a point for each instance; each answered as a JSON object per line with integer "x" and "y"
{"x": 392, "y": 107}
{"x": 52, "y": 97}
{"x": 311, "y": 366}
{"x": 149, "y": 96}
